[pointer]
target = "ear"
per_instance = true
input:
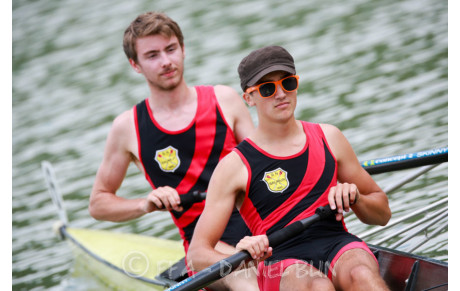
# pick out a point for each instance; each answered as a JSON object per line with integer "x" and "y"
{"x": 248, "y": 98}
{"x": 134, "y": 65}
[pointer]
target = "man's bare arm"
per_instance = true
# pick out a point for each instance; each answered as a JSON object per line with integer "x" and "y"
{"x": 228, "y": 179}
{"x": 235, "y": 112}
{"x": 357, "y": 186}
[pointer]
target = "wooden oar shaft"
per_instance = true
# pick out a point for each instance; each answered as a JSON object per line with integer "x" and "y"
{"x": 406, "y": 161}
{"x": 228, "y": 265}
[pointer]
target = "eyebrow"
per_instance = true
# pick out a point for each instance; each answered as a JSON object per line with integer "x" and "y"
{"x": 264, "y": 79}
{"x": 155, "y": 51}
{"x": 150, "y": 52}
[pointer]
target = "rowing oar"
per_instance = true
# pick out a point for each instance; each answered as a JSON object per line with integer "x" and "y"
{"x": 406, "y": 161}
{"x": 228, "y": 265}
{"x": 374, "y": 166}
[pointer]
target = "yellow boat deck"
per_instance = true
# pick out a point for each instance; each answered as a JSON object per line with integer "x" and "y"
{"x": 123, "y": 261}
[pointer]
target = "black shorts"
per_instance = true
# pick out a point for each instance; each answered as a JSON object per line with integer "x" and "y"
{"x": 318, "y": 245}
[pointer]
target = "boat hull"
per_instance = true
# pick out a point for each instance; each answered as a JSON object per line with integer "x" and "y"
{"x": 403, "y": 271}
{"x": 122, "y": 261}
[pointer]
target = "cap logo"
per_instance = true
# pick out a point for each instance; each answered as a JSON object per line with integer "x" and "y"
{"x": 168, "y": 159}
{"x": 276, "y": 180}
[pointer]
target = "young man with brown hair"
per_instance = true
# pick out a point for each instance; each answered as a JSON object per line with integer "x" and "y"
{"x": 175, "y": 136}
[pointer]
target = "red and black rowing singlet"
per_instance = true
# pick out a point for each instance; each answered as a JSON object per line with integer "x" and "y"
{"x": 282, "y": 190}
{"x": 184, "y": 159}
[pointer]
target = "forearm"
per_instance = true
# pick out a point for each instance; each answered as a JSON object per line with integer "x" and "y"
{"x": 203, "y": 252}
{"x": 108, "y": 206}
{"x": 199, "y": 258}
{"x": 227, "y": 181}
{"x": 372, "y": 208}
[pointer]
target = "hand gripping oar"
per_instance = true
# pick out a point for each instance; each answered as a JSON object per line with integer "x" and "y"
{"x": 188, "y": 199}
{"x": 228, "y": 265}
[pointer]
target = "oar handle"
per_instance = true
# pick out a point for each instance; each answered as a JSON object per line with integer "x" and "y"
{"x": 189, "y": 199}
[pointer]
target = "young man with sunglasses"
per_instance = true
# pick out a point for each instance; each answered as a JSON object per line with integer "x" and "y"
{"x": 280, "y": 174}
{"x": 175, "y": 136}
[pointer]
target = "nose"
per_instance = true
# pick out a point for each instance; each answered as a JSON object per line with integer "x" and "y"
{"x": 165, "y": 60}
{"x": 279, "y": 91}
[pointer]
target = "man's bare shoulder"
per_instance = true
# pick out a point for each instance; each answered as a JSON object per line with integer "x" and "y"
{"x": 331, "y": 132}
{"x": 123, "y": 131}
{"x": 232, "y": 159}
{"x": 329, "y": 128}
{"x": 235, "y": 111}
{"x": 230, "y": 164}
{"x": 226, "y": 93}
{"x": 230, "y": 173}
{"x": 339, "y": 144}
{"x": 124, "y": 120}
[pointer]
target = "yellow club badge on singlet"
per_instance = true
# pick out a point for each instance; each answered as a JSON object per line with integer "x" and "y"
{"x": 168, "y": 159}
{"x": 277, "y": 180}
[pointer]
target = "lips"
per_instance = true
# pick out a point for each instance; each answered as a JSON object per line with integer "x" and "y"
{"x": 169, "y": 73}
{"x": 282, "y": 105}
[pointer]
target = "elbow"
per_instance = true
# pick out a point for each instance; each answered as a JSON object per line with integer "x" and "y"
{"x": 385, "y": 213}
{"x": 385, "y": 218}
{"x": 94, "y": 210}
{"x": 192, "y": 259}
{"x": 196, "y": 257}
{"x": 98, "y": 213}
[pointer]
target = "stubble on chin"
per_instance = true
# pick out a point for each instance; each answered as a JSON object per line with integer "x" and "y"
{"x": 167, "y": 85}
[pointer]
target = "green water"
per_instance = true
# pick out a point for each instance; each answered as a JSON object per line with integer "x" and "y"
{"x": 376, "y": 69}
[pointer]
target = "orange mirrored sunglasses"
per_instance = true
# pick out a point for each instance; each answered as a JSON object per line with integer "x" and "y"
{"x": 268, "y": 89}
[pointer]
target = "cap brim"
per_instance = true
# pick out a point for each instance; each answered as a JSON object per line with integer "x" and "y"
{"x": 268, "y": 70}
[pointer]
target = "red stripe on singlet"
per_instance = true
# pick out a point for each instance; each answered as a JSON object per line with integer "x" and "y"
{"x": 248, "y": 212}
{"x": 205, "y": 124}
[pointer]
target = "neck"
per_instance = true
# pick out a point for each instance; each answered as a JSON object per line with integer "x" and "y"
{"x": 170, "y": 99}
{"x": 279, "y": 130}
{"x": 174, "y": 109}
{"x": 280, "y": 139}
